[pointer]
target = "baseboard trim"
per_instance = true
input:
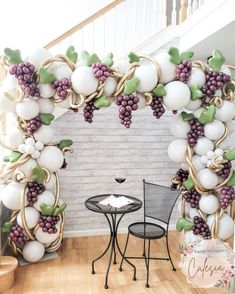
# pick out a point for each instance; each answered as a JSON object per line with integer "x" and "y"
{"x": 98, "y": 232}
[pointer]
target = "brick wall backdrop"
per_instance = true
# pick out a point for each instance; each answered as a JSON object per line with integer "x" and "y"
{"x": 103, "y": 149}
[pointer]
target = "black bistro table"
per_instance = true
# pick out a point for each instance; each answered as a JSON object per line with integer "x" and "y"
{"x": 113, "y": 216}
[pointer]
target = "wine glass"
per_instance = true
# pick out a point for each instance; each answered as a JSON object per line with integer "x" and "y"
{"x": 120, "y": 177}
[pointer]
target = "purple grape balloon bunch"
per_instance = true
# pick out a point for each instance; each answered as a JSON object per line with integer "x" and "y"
{"x": 201, "y": 228}
{"x": 214, "y": 81}
{"x": 34, "y": 189}
{"x": 88, "y": 111}
{"x": 101, "y": 71}
{"x": 227, "y": 196}
{"x": 157, "y": 106}
{"x": 127, "y": 103}
{"x": 17, "y": 235}
{"x": 33, "y": 125}
{"x": 27, "y": 79}
{"x": 48, "y": 223}
{"x": 196, "y": 131}
{"x": 193, "y": 198}
{"x": 225, "y": 171}
{"x": 180, "y": 176}
{"x": 62, "y": 87}
{"x": 183, "y": 70}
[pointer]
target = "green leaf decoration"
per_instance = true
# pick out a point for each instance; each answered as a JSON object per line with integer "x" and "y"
{"x": 179, "y": 224}
{"x": 60, "y": 209}
{"x": 174, "y": 55}
{"x": 186, "y": 116}
{"x": 187, "y": 55}
{"x": 65, "y": 143}
{"x": 93, "y": 58}
{"x": 230, "y": 155}
{"x": 7, "y": 227}
{"x": 159, "y": 90}
{"x": 38, "y": 175}
{"x": 195, "y": 92}
{"x": 46, "y": 76}
{"x": 184, "y": 224}
{"x": 130, "y": 85}
{"x": 133, "y": 57}
{"x": 188, "y": 225}
{"x": 84, "y": 55}
{"x": 108, "y": 59}
{"x": 229, "y": 87}
{"x": 189, "y": 183}
{"x": 72, "y": 54}
{"x": 217, "y": 60}
{"x": 208, "y": 115}
{"x": 46, "y": 209}
{"x": 231, "y": 182}
{"x": 46, "y": 118}
{"x": 13, "y": 157}
{"x": 13, "y": 56}
{"x": 103, "y": 101}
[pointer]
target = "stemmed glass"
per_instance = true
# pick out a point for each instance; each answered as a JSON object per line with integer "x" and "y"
{"x": 120, "y": 177}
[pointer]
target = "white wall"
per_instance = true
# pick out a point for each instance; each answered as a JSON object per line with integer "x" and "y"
{"x": 101, "y": 150}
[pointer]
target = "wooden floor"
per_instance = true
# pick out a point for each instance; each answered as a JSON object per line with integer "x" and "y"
{"x": 71, "y": 272}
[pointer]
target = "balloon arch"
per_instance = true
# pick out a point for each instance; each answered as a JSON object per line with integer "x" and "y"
{"x": 201, "y": 94}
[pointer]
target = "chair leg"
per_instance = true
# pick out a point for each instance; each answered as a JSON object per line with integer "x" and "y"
{"x": 144, "y": 253}
{"x": 127, "y": 239}
{"x": 168, "y": 251}
{"x": 147, "y": 264}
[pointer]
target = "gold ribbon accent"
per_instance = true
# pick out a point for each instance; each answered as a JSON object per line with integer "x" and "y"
{"x": 58, "y": 58}
{"x": 220, "y": 140}
{"x": 217, "y": 164}
{"x": 19, "y": 98}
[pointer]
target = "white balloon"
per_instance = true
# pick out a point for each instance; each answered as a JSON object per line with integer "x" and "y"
{"x": 226, "y": 112}
{"x": 61, "y": 71}
{"x": 231, "y": 126}
{"x": 84, "y": 81}
{"x": 187, "y": 207}
{"x": 31, "y": 217}
{"x": 21, "y": 148}
{"x": 35, "y": 154}
{"x": 45, "y": 105}
{"x": 177, "y": 150}
{"x": 203, "y": 146}
{"x": 198, "y": 112}
{"x": 177, "y": 95}
{"x": 209, "y": 204}
{"x": 207, "y": 178}
{"x": 27, "y": 109}
{"x": 26, "y": 168}
{"x": 168, "y": 69}
{"x": 179, "y": 128}
{"x": 226, "y": 226}
{"x": 45, "y": 237}
{"x": 33, "y": 251}
{"x": 44, "y": 134}
{"x": 11, "y": 195}
{"x": 30, "y": 141}
{"x": 64, "y": 104}
{"x": 6, "y": 104}
{"x": 190, "y": 237}
{"x": 214, "y": 130}
{"x": 109, "y": 86}
{"x": 227, "y": 143}
{"x": 196, "y": 161}
{"x": 194, "y": 104}
{"x": 46, "y": 90}
{"x": 38, "y": 56}
{"x": 29, "y": 149}
{"x": 46, "y": 197}
{"x": 121, "y": 66}
{"x": 51, "y": 158}
{"x": 226, "y": 70}
{"x": 51, "y": 183}
{"x": 210, "y": 154}
{"x": 147, "y": 75}
{"x": 193, "y": 212}
{"x": 197, "y": 77}
{"x": 14, "y": 138}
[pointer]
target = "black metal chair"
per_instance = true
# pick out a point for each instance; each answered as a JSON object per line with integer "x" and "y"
{"x": 159, "y": 202}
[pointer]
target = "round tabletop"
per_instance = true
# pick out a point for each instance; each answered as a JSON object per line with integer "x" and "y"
{"x": 93, "y": 203}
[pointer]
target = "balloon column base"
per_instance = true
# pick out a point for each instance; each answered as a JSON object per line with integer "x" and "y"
{"x": 8, "y": 265}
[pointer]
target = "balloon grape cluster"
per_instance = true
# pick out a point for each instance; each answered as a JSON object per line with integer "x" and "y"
{"x": 34, "y": 189}
{"x": 62, "y": 87}
{"x": 157, "y": 106}
{"x": 25, "y": 74}
{"x": 225, "y": 171}
{"x": 183, "y": 70}
{"x": 214, "y": 81}
{"x": 101, "y": 71}
{"x": 33, "y": 125}
{"x": 17, "y": 235}
{"x": 48, "y": 223}
{"x": 180, "y": 176}
{"x": 193, "y": 198}
{"x": 196, "y": 131}
{"x": 227, "y": 196}
{"x": 127, "y": 103}
{"x": 201, "y": 228}
{"x": 88, "y": 111}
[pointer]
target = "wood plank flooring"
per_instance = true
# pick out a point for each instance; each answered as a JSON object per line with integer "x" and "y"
{"x": 71, "y": 272}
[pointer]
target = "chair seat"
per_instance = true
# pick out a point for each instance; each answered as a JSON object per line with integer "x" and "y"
{"x": 146, "y": 230}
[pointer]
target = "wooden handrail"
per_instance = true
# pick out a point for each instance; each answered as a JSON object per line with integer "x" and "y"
{"x": 83, "y": 23}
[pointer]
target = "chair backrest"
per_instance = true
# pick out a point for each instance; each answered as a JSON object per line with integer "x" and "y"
{"x": 159, "y": 201}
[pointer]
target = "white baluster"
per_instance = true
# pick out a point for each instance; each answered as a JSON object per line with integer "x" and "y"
{"x": 174, "y": 13}
{"x": 189, "y": 8}
{"x": 164, "y": 17}
{"x": 195, "y": 5}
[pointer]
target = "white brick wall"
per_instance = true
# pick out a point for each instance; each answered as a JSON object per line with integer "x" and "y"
{"x": 101, "y": 150}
